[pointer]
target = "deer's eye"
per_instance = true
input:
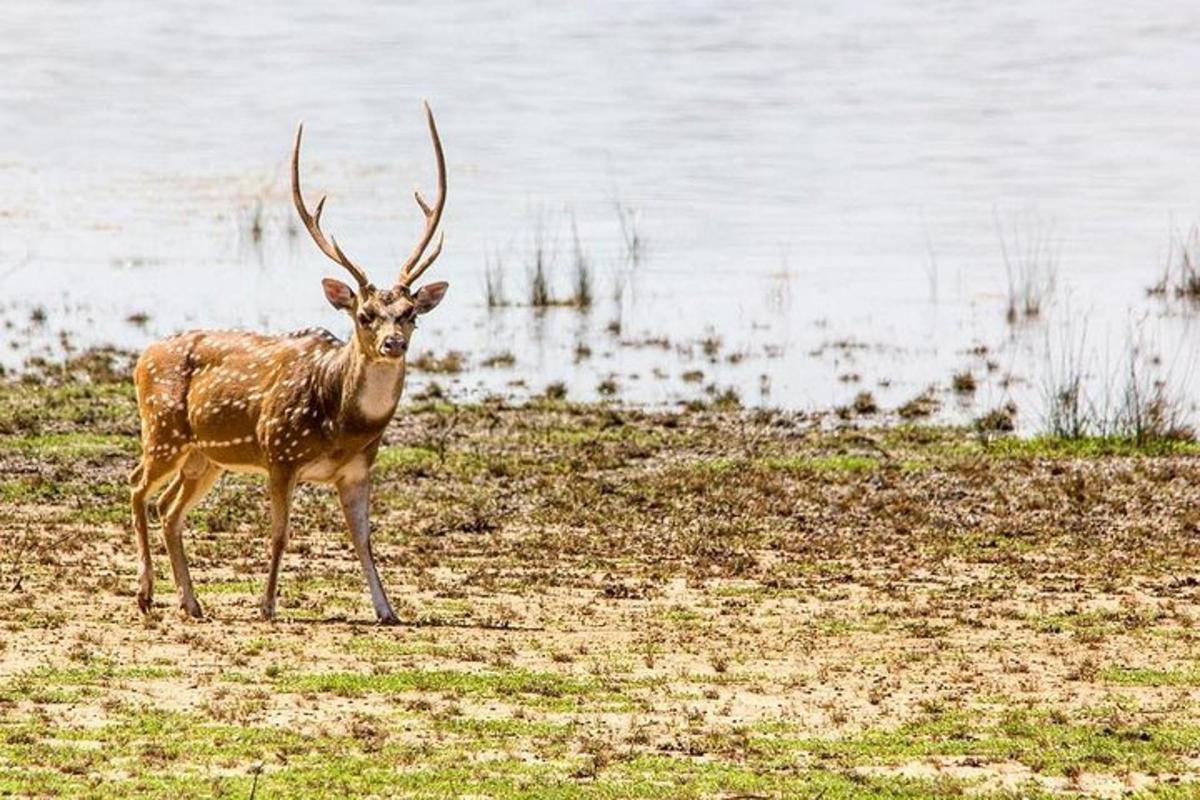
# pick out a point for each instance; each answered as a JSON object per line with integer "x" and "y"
{"x": 365, "y": 318}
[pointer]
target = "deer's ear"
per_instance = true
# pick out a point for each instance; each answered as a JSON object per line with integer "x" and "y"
{"x": 430, "y": 295}
{"x": 338, "y": 294}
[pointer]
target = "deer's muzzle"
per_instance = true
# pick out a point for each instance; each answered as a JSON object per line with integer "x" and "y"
{"x": 393, "y": 346}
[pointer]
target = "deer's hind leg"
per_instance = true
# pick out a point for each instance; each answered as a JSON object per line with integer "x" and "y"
{"x": 168, "y": 495}
{"x": 162, "y": 397}
{"x": 196, "y": 477}
{"x": 145, "y": 479}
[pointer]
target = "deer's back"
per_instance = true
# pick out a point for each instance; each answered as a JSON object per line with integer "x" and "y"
{"x": 241, "y": 398}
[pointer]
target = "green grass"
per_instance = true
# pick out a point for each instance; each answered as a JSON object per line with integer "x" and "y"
{"x": 1054, "y": 447}
{"x": 69, "y": 684}
{"x": 1146, "y": 676}
{"x": 1094, "y": 623}
{"x": 1090, "y": 447}
{"x": 407, "y": 460}
{"x": 518, "y": 684}
{"x": 375, "y": 647}
{"x": 403, "y": 462}
{"x": 507, "y": 779}
{"x": 32, "y": 409}
{"x": 1047, "y": 744}
{"x": 954, "y": 443}
{"x": 805, "y": 463}
{"x": 830, "y": 463}
{"x": 25, "y": 490}
{"x": 156, "y": 754}
{"x": 293, "y": 587}
{"x": 72, "y": 445}
{"x": 165, "y": 587}
{"x": 93, "y": 673}
{"x": 144, "y": 753}
{"x": 76, "y": 498}
{"x": 490, "y": 729}
{"x": 602, "y": 432}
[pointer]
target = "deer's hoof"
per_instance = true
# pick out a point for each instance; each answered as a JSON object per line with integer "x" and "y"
{"x": 389, "y": 618}
{"x": 145, "y": 595}
{"x": 191, "y": 610}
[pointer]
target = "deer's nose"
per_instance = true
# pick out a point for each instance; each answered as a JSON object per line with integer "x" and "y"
{"x": 393, "y": 345}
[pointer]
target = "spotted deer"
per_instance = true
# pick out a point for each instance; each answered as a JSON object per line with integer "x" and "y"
{"x": 300, "y": 407}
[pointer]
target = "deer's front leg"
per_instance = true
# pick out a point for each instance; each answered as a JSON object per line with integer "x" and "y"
{"x": 355, "y": 497}
{"x": 282, "y": 486}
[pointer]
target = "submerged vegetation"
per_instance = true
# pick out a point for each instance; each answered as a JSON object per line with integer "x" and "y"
{"x": 922, "y": 406}
{"x": 545, "y": 254}
{"x": 1031, "y": 253}
{"x": 1180, "y": 277}
{"x": 1137, "y": 399}
{"x": 450, "y": 363}
{"x": 493, "y": 281}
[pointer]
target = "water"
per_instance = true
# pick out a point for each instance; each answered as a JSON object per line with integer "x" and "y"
{"x": 818, "y": 186}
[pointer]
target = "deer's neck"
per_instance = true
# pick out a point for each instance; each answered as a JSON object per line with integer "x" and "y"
{"x": 370, "y": 388}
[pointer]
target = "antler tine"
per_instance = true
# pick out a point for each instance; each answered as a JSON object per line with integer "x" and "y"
{"x": 428, "y": 260}
{"x": 414, "y": 265}
{"x": 312, "y": 222}
{"x": 421, "y": 202}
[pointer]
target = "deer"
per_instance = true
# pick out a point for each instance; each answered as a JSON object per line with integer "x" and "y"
{"x": 302, "y": 407}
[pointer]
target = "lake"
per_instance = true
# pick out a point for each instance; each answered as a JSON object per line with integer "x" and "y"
{"x": 799, "y": 202}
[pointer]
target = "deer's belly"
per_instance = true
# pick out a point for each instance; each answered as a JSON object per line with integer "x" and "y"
{"x": 327, "y": 470}
{"x": 240, "y": 457}
{"x": 251, "y": 469}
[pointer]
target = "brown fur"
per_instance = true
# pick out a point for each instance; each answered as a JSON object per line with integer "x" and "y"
{"x": 294, "y": 407}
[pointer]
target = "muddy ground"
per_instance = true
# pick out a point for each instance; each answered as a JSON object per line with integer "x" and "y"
{"x": 601, "y": 602}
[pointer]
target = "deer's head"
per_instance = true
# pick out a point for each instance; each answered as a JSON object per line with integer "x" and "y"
{"x": 384, "y": 319}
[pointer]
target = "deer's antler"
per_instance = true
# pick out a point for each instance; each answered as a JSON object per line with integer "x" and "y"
{"x": 415, "y": 265}
{"x": 312, "y": 222}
